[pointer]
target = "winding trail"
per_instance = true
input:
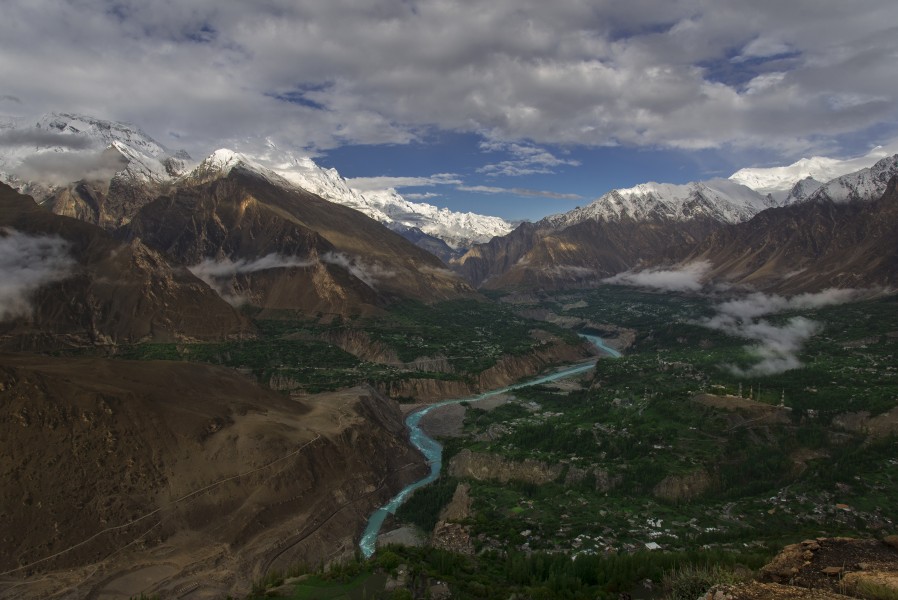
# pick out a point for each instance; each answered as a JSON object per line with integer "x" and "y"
{"x": 433, "y": 450}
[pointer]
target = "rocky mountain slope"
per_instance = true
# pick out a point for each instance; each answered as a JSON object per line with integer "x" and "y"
{"x": 777, "y": 180}
{"x": 621, "y": 230}
{"x": 126, "y": 477}
{"x": 104, "y": 171}
{"x": 95, "y": 170}
{"x": 809, "y": 246}
{"x": 67, "y": 282}
{"x": 457, "y": 230}
{"x": 719, "y": 199}
{"x": 257, "y": 242}
{"x": 655, "y": 224}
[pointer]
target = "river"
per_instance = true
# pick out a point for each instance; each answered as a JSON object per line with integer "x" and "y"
{"x": 433, "y": 450}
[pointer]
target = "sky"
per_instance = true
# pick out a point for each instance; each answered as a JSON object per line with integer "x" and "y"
{"x": 516, "y": 108}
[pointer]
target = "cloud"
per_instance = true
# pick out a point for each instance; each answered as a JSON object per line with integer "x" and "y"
{"x": 44, "y": 139}
{"x": 220, "y": 274}
{"x": 528, "y": 159}
{"x": 366, "y": 184}
{"x": 27, "y": 263}
{"x": 423, "y": 196}
{"x": 369, "y": 273}
{"x": 60, "y": 168}
{"x": 489, "y": 189}
{"x": 640, "y": 73}
{"x": 9, "y": 98}
{"x": 686, "y": 279}
{"x": 777, "y": 346}
{"x": 759, "y": 304}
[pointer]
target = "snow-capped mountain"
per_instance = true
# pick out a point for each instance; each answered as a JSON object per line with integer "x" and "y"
{"x": 221, "y": 162}
{"x": 33, "y": 149}
{"x": 778, "y": 181}
{"x": 41, "y": 156}
{"x": 863, "y": 185}
{"x": 719, "y": 199}
{"x": 739, "y": 197}
{"x": 457, "y": 229}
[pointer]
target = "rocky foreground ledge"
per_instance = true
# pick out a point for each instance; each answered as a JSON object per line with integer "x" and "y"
{"x": 823, "y": 569}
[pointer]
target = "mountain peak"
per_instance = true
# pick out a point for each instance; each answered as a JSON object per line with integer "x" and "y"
{"x": 779, "y": 180}
{"x": 718, "y": 199}
{"x": 222, "y": 162}
{"x": 862, "y": 185}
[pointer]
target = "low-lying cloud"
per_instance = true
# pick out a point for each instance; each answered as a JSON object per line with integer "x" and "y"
{"x": 26, "y": 263}
{"x": 60, "y": 168}
{"x": 777, "y": 346}
{"x": 685, "y": 279}
{"x": 219, "y": 274}
{"x": 371, "y": 274}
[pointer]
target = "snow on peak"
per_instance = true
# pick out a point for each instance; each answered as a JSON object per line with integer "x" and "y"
{"x": 719, "y": 199}
{"x": 30, "y": 144}
{"x": 458, "y": 230}
{"x": 866, "y": 184}
{"x": 282, "y": 167}
{"x": 220, "y": 163}
{"x": 779, "y": 180}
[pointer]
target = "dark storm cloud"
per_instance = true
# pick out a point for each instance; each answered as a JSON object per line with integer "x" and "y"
{"x": 43, "y": 139}
{"x": 60, "y": 168}
{"x": 684, "y": 73}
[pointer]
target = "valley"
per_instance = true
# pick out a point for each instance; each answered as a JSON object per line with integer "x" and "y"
{"x": 691, "y": 465}
{"x": 243, "y": 377}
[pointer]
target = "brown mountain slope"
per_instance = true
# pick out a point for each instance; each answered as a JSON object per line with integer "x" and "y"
{"x": 111, "y": 292}
{"x": 105, "y": 202}
{"x": 810, "y": 246}
{"x": 183, "y": 472}
{"x": 321, "y": 256}
{"x": 580, "y": 255}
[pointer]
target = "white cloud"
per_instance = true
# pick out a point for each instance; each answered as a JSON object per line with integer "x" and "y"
{"x": 219, "y": 274}
{"x": 60, "y": 168}
{"x": 323, "y": 74}
{"x": 367, "y": 184}
{"x": 27, "y": 263}
{"x": 423, "y": 196}
{"x": 777, "y": 346}
{"x": 528, "y": 160}
{"x": 685, "y": 279}
{"x": 490, "y": 189}
{"x": 369, "y": 273}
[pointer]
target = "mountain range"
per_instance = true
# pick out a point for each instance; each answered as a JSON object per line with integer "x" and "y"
{"x": 653, "y": 225}
{"x": 253, "y": 226}
{"x": 109, "y": 241}
{"x": 118, "y": 168}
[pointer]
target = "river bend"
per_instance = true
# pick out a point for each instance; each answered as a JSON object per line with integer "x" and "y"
{"x": 433, "y": 450}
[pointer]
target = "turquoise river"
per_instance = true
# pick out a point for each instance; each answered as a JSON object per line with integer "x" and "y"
{"x": 433, "y": 451}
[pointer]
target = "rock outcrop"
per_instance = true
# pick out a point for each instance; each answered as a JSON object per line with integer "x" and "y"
{"x": 682, "y": 488}
{"x": 482, "y": 465}
{"x": 193, "y": 472}
{"x": 109, "y": 292}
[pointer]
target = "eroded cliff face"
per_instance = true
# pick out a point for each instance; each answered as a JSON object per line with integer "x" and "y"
{"x": 184, "y": 474}
{"x": 486, "y": 466}
{"x": 509, "y": 369}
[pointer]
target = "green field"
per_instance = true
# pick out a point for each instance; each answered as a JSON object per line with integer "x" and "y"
{"x": 748, "y": 477}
